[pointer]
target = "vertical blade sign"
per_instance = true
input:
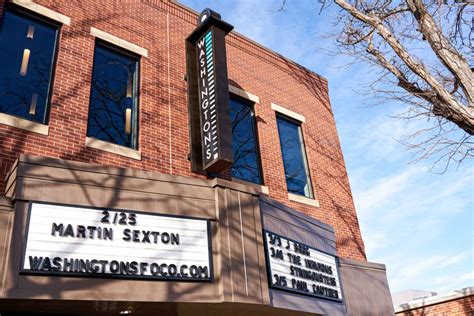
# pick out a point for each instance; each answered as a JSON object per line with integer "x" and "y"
{"x": 208, "y": 95}
{"x": 207, "y": 98}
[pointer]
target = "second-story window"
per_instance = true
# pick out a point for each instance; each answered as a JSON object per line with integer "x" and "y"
{"x": 244, "y": 143}
{"x": 294, "y": 157}
{"x": 114, "y": 97}
{"x": 27, "y": 53}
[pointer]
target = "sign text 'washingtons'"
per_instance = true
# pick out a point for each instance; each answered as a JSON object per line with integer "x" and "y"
{"x": 207, "y": 97}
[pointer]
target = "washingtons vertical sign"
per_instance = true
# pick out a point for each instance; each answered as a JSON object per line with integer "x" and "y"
{"x": 208, "y": 94}
{"x": 207, "y": 98}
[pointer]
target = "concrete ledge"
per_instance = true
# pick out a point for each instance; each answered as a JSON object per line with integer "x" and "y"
{"x": 301, "y": 216}
{"x": 303, "y": 199}
{"x": 44, "y": 11}
{"x": 25, "y": 124}
{"x": 244, "y": 94}
{"x": 423, "y": 302}
{"x": 119, "y": 42}
{"x": 365, "y": 287}
{"x": 38, "y": 162}
{"x": 5, "y": 204}
{"x": 262, "y": 188}
{"x": 241, "y": 186}
{"x": 289, "y": 113}
{"x": 113, "y": 148}
{"x": 361, "y": 264}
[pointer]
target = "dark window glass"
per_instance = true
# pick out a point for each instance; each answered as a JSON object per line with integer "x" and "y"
{"x": 27, "y": 51}
{"x": 113, "y": 103}
{"x": 294, "y": 157}
{"x": 244, "y": 143}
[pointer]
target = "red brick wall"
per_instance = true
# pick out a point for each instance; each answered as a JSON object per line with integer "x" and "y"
{"x": 460, "y": 307}
{"x": 161, "y": 27}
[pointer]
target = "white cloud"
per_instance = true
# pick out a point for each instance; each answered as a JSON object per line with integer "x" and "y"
{"x": 436, "y": 262}
{"x": 375, "y": 240}
{"x": 438, "y": 272}
{"x": 245, "y": 22}
{"x": 386, "y": 189}
{"x": 447, "y": 282}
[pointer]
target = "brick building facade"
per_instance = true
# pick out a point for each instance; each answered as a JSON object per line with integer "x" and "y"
{"x": 456, "y": 303}
{"x": 155, "y": 32}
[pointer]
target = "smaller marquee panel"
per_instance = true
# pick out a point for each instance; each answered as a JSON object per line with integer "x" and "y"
{"x": 296, "y": 267}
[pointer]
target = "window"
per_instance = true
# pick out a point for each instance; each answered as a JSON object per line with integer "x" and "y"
{"x": 244, "y": 143}
{"x": 114, "y": 97}
{"x": 294, "y": 157}
{"x": 27, "y": 53}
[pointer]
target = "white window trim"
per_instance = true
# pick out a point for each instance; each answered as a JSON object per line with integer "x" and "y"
{"x": 303, "y": 200}
{"x": 119, "y": 42}
{"x": 244, "y": 94}
{"x": 113, "y": 148}
{"x": 289, "y": 113}
{"x": 44, "y": 11}
{"x": 24, "y": 124}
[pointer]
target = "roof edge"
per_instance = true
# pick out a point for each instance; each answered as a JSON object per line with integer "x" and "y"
{"x": 419, "y": 303}
{"x": 245, "y": 38}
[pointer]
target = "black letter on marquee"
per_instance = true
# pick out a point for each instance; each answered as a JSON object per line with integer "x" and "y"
{"x": 57, "y": 228}
{"x": 126, "y": 234}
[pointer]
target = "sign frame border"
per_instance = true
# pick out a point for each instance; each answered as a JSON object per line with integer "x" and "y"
{"x": 23, "y": 271}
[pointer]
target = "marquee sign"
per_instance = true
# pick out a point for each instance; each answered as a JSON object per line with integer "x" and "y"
{"x": 80, "y": 241}
{"x": 299, "y": 268}
{"x": 208, "y": 94}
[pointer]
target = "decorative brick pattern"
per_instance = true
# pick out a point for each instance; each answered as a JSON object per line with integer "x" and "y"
{"x": 161, "y": 27}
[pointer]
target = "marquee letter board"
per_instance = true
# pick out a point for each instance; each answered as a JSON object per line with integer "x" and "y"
{"x": 68, "y": 240}
{"x": 296, "y": 267}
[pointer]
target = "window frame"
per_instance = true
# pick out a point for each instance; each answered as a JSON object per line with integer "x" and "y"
{"x": 25, "y": 13}
{"x": 251, "y": 104}
{"x": 136, "y": 89}
{"x": 304, "y": 153}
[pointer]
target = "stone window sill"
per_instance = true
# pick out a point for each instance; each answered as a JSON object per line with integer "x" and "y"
{"x": 113, "y": 148}
{"x": 24, "y": 124}
{"x": 303, "y": 200}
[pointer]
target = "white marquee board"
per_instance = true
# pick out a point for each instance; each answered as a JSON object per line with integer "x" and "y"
{"x": 81, "y": 241}
{"x": 296, "y": 267}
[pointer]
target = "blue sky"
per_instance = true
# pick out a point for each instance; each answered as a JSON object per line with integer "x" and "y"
{"x": 419, "y": 223}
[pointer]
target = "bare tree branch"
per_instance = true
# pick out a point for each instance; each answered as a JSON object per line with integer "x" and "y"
{"x": 446, "y": 105}
{"x": 443, "y": 49}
